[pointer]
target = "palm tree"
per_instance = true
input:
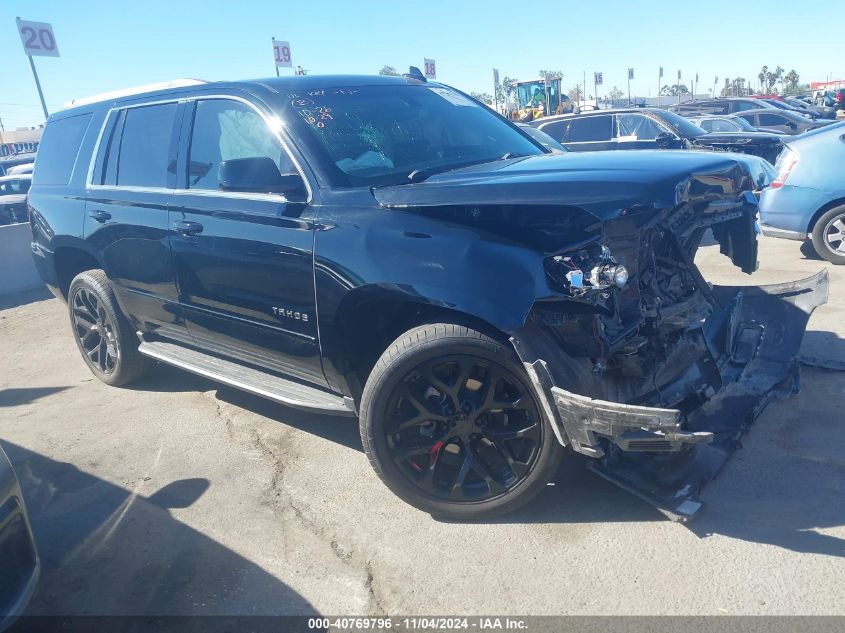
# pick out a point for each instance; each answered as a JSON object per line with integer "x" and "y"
{"x": 762, "y": 76}
{"x": 791, "y": 79}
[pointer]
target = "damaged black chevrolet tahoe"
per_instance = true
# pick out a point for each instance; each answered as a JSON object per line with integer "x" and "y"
{"x": 389, "y": 248}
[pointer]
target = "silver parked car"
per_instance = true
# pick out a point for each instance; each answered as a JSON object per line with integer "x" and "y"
{"x": 727, "y": 123}
{"x": 784, "y": 121}
{"x": 19, "y": 564}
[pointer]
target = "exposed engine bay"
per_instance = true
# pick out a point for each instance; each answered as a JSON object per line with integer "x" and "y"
{"x": 654, "y": 372}
{"x": 638, "y": 361}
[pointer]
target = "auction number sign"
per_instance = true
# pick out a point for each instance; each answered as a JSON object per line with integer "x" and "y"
{"x": 281, "y": 53}
{"x": 429, "y": 69}
{"x": 38, "y": 38}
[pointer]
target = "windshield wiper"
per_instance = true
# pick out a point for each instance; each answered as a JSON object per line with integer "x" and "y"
{"x": 419, "y": 175}
{"x": 510, "y": 155}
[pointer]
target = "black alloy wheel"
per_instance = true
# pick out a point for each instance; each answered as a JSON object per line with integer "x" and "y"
{"x": 462, "y": 428}
{"x": 104, "y": 336}
{"x": 451, "y": 424}
{"x": 95, "y": 330}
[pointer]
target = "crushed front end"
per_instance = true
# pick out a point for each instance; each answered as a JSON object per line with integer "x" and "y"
{"x": 647, "y": 368}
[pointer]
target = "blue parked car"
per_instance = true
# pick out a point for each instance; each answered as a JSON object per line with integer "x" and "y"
{"x": 807, "y": 198}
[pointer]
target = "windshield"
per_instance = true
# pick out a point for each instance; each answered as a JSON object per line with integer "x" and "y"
{"x": 796, "y": 103}
{"x": 685, "y": 127}
{"x": 377, "y": 135}
{"x": 544, "y": 139}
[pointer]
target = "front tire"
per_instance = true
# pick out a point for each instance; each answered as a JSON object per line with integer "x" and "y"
{"x": 451, "y": 425}
{"x": 103, "y": 335}
{"x": 829, "y": 235}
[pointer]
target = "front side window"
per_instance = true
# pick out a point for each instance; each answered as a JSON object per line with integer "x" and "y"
{"x": 227, "y": 130}
{"x": 718, "y": 125}
{"x": 591, "y": 129}
{"x": 636, "y": 127}
{"x": 384, "y": 134}
{"x": 58, "y": 150}
{"x": 139, "y": 153}
{"x": 767, "y": 119}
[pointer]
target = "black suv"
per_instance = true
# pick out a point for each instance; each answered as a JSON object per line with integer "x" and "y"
{"x": 651, "y": 128}
{"x": 724, "y": 105}
{"x": 392, "y": 249}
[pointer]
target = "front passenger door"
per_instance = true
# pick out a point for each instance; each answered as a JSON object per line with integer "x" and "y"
{"x": 243, "y": 259}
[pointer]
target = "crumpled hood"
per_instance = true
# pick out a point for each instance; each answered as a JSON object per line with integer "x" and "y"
{"x": 602, "y": 183}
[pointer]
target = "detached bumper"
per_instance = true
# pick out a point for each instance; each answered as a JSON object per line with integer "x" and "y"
{"x": 664, "y": 455}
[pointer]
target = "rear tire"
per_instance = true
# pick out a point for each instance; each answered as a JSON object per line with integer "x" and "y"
{"x": 829, "y": 235}
{"x": 474, "y": 441}
{"x": 104, "y": 336}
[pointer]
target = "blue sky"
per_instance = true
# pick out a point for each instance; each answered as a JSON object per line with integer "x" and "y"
{"x": 110, "y": 45}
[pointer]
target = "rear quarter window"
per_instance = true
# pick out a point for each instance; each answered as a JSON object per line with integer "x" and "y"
{"x": 59, "y": 149}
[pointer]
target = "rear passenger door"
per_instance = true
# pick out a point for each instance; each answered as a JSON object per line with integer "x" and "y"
{"x": 129, "y": 188}
{"x": 588, "y": 133}
{"x": 243, "y": 260}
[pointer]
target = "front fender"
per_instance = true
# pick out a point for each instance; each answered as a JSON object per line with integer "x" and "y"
{"x": 402, "y": 258}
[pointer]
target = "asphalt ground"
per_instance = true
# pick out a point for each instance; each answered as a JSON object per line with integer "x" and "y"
{"x": 179, "y": 496}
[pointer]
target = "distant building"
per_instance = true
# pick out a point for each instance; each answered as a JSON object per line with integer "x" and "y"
{"x": 827, "y": 85}
{"x": 20, "y": 141}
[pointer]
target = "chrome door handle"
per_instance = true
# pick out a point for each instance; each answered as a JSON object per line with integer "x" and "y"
{"x": 99, "y": 215}
{"x": 186, "y": 227}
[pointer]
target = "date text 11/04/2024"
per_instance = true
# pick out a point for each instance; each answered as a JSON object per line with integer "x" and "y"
{"x": 419, "y": 623}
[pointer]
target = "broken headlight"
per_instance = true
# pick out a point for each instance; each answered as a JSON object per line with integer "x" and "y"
{"x": 587, "y": 270}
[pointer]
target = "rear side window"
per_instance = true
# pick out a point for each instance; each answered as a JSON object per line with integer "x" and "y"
{"x": 58, "y": 150}
{"x": 739, "y": 106}
{"x": 714, "y": 107}
{"x": 138, "y": 153}
{"x": 590, "y": 129}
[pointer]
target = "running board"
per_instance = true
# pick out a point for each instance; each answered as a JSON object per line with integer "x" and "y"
{"x": 287, "y": 392}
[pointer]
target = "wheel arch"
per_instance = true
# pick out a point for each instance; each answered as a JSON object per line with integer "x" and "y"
{"x": 370, "y": 319}
{"x": 71, "y": 258}
{"x": 824, "y": 209}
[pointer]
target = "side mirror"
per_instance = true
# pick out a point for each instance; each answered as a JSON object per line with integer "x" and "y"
{"x": 664, "y": 139}
{"x": 258, "y": 175}
{"x": 792, "y": 125}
